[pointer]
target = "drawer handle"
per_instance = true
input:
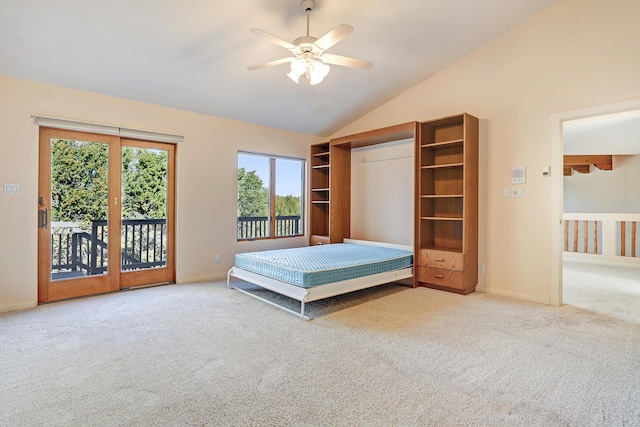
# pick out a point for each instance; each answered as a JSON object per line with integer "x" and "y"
{"x": 439, "y": 276}
{"x": 439, "y": 259}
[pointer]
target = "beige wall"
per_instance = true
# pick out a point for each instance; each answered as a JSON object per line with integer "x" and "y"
{"x": 206, "y": 178}
{"x": 575, "y": 54}
{"x": 382, "y": 192}
{"x": 601, "y": 191}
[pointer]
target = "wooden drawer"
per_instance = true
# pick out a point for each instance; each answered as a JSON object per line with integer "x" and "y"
{"x": 441, "y": 277}
{"x": 441, "y": 259}
{"x": 318, "y": 240}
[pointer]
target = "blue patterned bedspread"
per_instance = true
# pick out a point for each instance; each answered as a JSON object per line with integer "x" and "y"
{"x": 316, "y": 265}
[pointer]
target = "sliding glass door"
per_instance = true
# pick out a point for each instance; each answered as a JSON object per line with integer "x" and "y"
{"x": 105, "y": 214}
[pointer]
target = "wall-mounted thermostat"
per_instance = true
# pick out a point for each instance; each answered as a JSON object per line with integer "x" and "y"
{"x": 519, "y": 175}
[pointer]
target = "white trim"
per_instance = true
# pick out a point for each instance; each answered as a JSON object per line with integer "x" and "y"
{"x": 14, "y": 307}
{"x": 557, "y": 120}
{"x": 513, "y": 295}
{"x": 69, "y": 124}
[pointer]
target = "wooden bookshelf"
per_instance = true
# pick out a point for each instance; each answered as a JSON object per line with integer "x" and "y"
{"x": 446, "y": 227}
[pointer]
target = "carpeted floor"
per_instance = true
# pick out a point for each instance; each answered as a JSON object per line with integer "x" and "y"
{"x": 202, "y": 354}
{"x": 609, "y": 290}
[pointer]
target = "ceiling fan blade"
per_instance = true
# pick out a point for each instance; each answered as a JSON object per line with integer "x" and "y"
{"x": 334, "y": 36}
{"x": 271, "y": 63}
{"x": 274, "y": 39}
{"x": 345, "y": 61}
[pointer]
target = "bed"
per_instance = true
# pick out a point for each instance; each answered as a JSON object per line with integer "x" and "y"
{"x": 315, "y": 272}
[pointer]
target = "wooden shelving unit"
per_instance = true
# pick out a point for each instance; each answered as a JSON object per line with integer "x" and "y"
{"x": 446, "y": 228}
{"x": 446, "y": 203}
{"x": 320, "y": 193}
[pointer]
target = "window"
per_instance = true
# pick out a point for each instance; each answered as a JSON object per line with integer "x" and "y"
{"x": 269, "y": 187}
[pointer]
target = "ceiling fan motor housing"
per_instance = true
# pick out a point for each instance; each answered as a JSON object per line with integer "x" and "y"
{"x": 307, "y": 5}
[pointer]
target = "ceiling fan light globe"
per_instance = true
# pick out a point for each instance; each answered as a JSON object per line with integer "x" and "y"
{"x": 322, "y": 69}
{"x": 293, "y": 76}
{"x": 314, "y": 76}
{"x": 299, "y": 66}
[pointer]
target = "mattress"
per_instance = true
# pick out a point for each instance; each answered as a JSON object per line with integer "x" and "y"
{"x": 316, "y": 265}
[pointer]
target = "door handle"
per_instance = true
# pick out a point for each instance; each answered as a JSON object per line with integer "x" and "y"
{"x": 44, "y": 218}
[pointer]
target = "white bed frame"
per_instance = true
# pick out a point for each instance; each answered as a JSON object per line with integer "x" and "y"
{"x": 327, "y": 290}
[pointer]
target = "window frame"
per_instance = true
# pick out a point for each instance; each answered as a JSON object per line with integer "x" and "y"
{"x": 271, "y": 216}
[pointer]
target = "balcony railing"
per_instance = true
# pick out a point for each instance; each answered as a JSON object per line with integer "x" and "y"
{"x": 602, "y": 238}
{"x": 256, "y": 227}
{"x": 75, "y": 252}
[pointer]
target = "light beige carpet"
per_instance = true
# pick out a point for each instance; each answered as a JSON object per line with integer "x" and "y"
{"x": 202, "y": 354}
{"x": 609, "y": 290}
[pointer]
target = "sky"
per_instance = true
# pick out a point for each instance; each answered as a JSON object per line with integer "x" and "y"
{"x": 288, "y": 172}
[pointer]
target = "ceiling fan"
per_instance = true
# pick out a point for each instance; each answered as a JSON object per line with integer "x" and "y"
{"x": 309, "y": 58}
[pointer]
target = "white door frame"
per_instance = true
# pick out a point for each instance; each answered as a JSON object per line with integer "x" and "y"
{"x": 557, "y": 121}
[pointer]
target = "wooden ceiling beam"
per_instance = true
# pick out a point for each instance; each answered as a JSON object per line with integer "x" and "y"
{"x": 601, "y": 161}
{"x": 581, "y": 168}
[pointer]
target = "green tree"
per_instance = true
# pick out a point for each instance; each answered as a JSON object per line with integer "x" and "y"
{"x": 287, "y": 205}
{"x": 253, "y": 196}
{"x": 79, "y": 180}
{"x": 144, "y": 183}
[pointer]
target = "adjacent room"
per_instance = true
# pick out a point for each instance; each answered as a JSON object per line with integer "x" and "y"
{"x": 149, "y": 146}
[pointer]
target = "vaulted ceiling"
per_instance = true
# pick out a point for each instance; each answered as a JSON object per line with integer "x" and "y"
{"x": 193, "y": 54}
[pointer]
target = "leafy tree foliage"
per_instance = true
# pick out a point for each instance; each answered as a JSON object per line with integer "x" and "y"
{"x": 253, "y": 196}
{"x": 80, "y": 180}
{"x": 80, "y": 183}
{"x": 144, "y": 183}
{"x": 287, "y": 205}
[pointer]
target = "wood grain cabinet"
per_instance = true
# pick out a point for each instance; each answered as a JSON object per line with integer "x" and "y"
{"x": 319, "y": 182}
{"x": 446, "y": 227}
{"x": 330, "y": 190}
{"x": 446, "y": 196}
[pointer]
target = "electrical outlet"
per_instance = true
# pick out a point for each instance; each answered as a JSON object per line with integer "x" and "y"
{"x": 480, "y": 268}
{"x": 217, "y": 258}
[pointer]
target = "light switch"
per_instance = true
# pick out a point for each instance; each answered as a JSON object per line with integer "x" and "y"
{"x": 517, "y": 192}
{"x": 506, "y": 192}
{"x": 12, "y": 189}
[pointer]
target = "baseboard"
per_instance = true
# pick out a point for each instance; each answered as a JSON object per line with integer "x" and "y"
{"x": 545, "y": 301}
{"x": 209, "y": 278}
{"x": 14, "y": 307}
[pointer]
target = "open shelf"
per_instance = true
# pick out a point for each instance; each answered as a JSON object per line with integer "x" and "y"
{"x": 446, "y": 201}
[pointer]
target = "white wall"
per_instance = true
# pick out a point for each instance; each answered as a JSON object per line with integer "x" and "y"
{"x": 574, "y": 54}
{"x": 599, "y": 191}
{"x": 382, "y": 183}
{"x": 206, "y": 178}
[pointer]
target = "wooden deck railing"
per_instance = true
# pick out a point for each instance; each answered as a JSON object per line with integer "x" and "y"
{"x": 628, "y": 238}
{"x": 143, "y": 244}
{"x": 256, "y": 227}
{"x": 582, "y": 236}
{"x": 608, "y": 238}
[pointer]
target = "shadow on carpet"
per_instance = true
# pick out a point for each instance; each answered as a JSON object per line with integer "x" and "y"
{"x": 325, "y": 306}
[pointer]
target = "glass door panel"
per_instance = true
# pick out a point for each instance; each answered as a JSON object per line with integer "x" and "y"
{"x": 146, "y": 213}
{"x": 77, "y": 254}
{"x": 144, "y": 208}
{"x": 79, "y": 208}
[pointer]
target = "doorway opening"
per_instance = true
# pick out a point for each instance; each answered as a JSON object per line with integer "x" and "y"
{"x": 595, "y": 243}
